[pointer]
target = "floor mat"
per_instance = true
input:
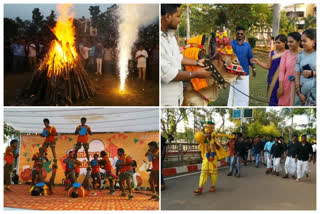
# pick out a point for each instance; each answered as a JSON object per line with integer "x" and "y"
{"x": 20, "y": 198}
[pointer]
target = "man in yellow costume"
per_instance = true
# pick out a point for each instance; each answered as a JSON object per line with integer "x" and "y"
{"x": 211, "y": 152}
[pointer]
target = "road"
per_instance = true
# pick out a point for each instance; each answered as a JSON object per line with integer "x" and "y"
{"x": 254, "y": 190}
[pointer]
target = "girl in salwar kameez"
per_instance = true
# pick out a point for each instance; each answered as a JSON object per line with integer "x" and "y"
{"x": 273, "y": 66}
{"x": 286, "y": 92}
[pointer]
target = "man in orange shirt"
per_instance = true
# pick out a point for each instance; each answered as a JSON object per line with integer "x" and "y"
{"x": 10, "y": 156}
{"x": 38, "y": 158}
{"x": 124, "y": 164}
{"x": 82, "y": 131}
{"x": 106, "y": 164}
{"x": 50, "y": 133}
{"x": 95, "y": 174}
{"x": 153, "y": 155}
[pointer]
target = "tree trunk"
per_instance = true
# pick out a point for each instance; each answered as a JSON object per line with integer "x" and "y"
{"x": 188, "y": 22}
{"x": 276, "y": 20}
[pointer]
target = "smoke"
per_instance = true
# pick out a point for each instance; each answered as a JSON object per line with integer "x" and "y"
{"x": 132, "y": 17}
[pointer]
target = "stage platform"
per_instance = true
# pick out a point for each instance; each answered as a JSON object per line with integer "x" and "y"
{"x": 20, "y": 198}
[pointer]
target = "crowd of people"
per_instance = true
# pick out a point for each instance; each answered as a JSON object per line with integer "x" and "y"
{"x": 292, "y": 69}
{"x": 270, "y": 152}
{"x": 99, "y": 169}
{"x": 291, "y": 64}
{"x": 97, "y": 56}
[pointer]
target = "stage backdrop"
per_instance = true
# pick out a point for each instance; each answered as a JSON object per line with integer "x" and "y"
{"x": 134, "y": 144}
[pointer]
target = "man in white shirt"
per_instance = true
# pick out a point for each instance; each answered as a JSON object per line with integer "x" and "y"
{"x": 85, "y": 55}
{"x": 32, "y": 55}
{"x": 172, "y": 76}
{"x": 141, "y": 57}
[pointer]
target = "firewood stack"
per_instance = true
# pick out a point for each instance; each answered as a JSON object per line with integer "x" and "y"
{"x": 60, "y": 79}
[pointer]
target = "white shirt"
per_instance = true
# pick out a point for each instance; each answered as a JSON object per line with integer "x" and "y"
{"x": 171, "y": 59}
{"x": 142, "y": 61}
{"x": 32, "y": 50}
{"x": 84, "y": 52}
{"x": 314, "y": 147}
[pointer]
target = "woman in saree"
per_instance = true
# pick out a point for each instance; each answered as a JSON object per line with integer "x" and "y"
{"x": 286, "y": 92}
{"x": 273, "y": 66}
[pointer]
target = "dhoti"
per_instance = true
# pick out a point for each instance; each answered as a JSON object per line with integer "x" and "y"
{"x": 302, "y": 169}
{"x": 269, "y": 161}
{"x": 276, "y": 164}
{"x": 235, "y": 97}
{"x": 290, "y": 166}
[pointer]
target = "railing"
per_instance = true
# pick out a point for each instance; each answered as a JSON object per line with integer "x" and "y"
{"x": 181, "y": 152}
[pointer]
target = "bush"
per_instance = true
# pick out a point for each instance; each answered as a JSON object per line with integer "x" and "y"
{"x": 252, "y": 41}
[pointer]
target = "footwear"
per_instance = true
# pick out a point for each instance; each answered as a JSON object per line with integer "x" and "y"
{"x": 238, "y": 176}
{"x": 199, "y": 190}
{"x": 297, "y": 180}
{"x": 293, "y": 176}
{"x": 277, "y": 173}
{"x": 285, "y": 176}
{"x": 154, "y": 195}
{"x": 257, "y": 166}
{"x": 273, "y": 173}
{"x": 111, "y": 192}
{"x": 8, "y": 188}
{"x": 267, "y": 172}
{"x": 229, "y": 174}
{"x": 212, "y": 189}
{"x": 123, "y": 194}
{"x": 130, "y": 197}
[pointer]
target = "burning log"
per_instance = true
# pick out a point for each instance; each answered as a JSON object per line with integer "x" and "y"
{"x": 60, "y": 79}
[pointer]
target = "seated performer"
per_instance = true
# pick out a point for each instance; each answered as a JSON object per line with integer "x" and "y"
{"x": 153, "y": 153}
{"x": 9, "y": 157}
{"x": 95, "y": 174}
{"x": 80, "y": 190}
{"x": 211, "y": 152}
{"x": 38, "y": 159}
{"x": 44, "y": 188}
{"x": 82, "y": 131}
{"x": 50, "y": 133}
{"x": 106, "y": 165}
{"x": 124, "y": 165}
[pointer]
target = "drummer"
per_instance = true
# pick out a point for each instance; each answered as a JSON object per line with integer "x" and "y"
{"x": 82, "y": 131}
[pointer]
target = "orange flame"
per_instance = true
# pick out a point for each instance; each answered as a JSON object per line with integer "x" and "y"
{"x": 62, "y": 54}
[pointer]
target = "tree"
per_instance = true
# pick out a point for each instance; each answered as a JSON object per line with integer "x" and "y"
{"x": 9, "y": 132}
{"x": 10, "y": 28}
{"x": 310, "y": 22}
{"x": 95, "y": 15}
{"x": 276, "y": 20}
{"x": 170, "y": 119}
{"x": 285, "y": 24}
{"x": 290, "y": 113}
{"x": 37, "y": 23}
{"x": 51, "y": 19}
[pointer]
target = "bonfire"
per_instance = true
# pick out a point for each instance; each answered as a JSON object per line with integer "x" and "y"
{"x": 60, "y": 79}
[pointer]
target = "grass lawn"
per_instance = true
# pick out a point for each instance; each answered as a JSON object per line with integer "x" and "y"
{"x": 258, "y": 85}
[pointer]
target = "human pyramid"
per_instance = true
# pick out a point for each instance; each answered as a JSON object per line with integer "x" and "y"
{"x": 125, "y": 166}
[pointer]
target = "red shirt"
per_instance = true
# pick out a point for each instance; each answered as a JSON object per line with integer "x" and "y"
{"x": 37, "y": 159}
{"x": 107, "y": 165}
{"x": 52, "y": 131}
{"x": 125, "y": 159}
{"x": 9, "y": 156}
{"x": 83, "y": 138}
{"x": 231, "y": 144}
{"x": 155, "y": 162}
